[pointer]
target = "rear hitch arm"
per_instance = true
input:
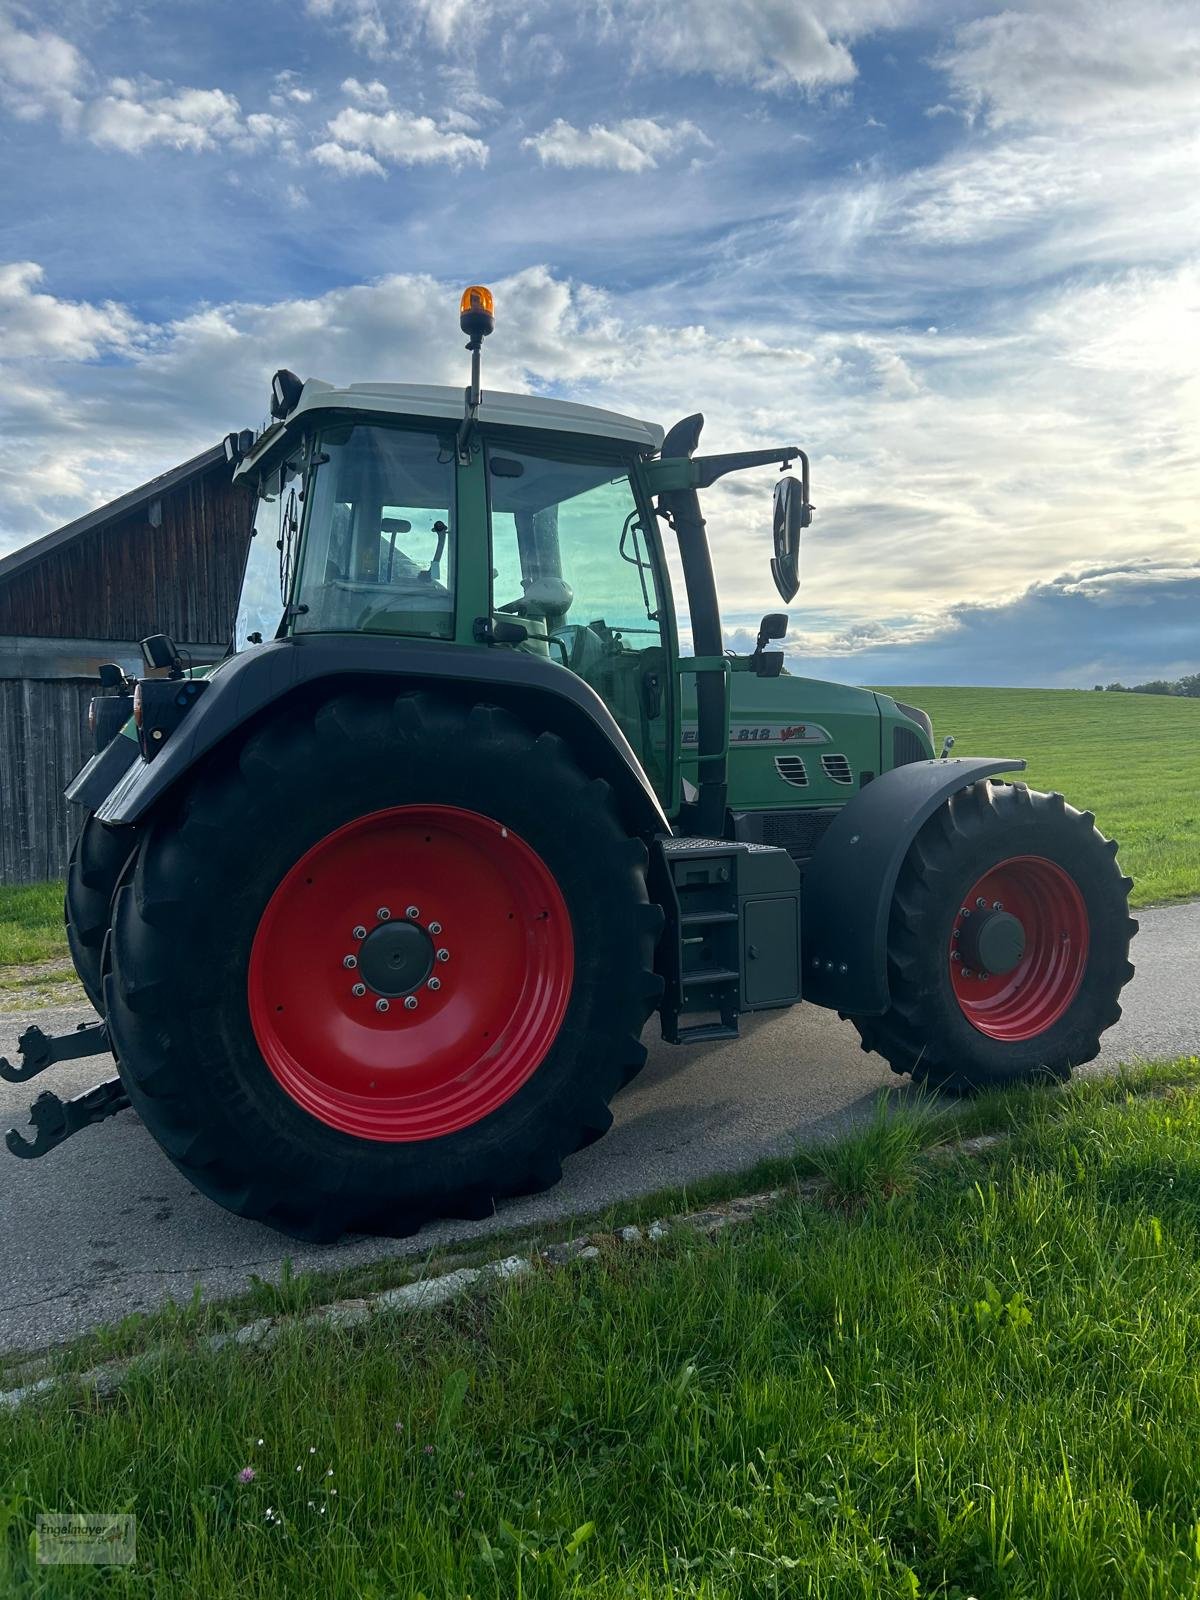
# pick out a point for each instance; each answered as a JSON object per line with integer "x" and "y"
{"x": 54, "y": 1120}
{"x": 37, "y": 1050}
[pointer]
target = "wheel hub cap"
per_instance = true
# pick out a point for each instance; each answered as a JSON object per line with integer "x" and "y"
{"x": 396, "y": 958}
{"x": 994, "y": 942}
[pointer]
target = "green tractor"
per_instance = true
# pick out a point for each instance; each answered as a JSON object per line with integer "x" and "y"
{"x": 375, "y": 913}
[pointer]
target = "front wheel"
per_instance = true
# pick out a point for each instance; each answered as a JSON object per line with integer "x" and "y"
{"x": 1008, "y": 943}
{"x": 386, "y": 962}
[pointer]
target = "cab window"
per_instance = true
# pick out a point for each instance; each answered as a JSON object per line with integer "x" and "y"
{"x": 379, "y": 537}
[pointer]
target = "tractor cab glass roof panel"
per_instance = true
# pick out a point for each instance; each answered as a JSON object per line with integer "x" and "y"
{"x": 379, "y": 544}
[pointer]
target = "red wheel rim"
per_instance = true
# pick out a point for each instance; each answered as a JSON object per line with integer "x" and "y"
{"x": 1029, "y": 999}
{"x": 380, "y": 890}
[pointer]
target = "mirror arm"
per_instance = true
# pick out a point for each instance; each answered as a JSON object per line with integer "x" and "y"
{"x": 707, "y": 469}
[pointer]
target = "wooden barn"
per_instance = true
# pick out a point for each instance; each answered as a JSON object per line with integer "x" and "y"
{"x": 165, "y": 558}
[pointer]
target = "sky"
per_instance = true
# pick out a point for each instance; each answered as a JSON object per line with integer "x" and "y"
{"x": 952, "y": 250}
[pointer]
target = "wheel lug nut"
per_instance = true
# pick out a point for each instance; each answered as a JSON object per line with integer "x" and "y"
{"x": 359, "y": 989}
{"x": 434, "y": 983}
{"x": 443, "y": 955}
{"x": 381, "y": 1005}
{"x": 383, "y": 913}
{"x": 997, "y": 905}
{"x": 967, "y": 973}
{"x": 360, "y": 932}
{"x": 964, "y": 912}
{"x": 435, "y": 928}
{"x": 956, "y": 955}
{"x": 350, "y": 961}
{"x": 412, "y": 913}
{"x": 981, "y": 903}
{"x": 410, "y": 1003}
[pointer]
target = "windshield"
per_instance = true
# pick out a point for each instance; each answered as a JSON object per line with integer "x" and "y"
{"x": 378, "y": 552}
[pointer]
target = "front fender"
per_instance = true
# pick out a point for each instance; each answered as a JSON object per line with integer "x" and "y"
{"x": 849, "y": 884}
{"x": 247, "y": 685}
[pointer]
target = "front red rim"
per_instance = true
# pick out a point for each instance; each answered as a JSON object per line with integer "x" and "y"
{"x": 1047, "y": 902}
{"x": 475, "y": 1025}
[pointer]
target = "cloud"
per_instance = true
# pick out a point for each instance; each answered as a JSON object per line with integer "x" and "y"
{"x": 398, "y": 138}
{"x": 1078, "y": 62}
{"x": 365, "y": 94}
{"x": 44, "y": 74}
{"x": 349, "y": 163}
{"x": 1130, "y": 623}
{"x": 629, "y": 146}
{"x": 193, "y": 119}
{"x": 769, "y": 44}
{"x": 40, "y": 73}
{"x": 361, "y": 20}
{"x": 34, "y": 324}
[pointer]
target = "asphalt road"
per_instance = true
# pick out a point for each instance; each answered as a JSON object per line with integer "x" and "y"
{"x": 105, "y": 1225}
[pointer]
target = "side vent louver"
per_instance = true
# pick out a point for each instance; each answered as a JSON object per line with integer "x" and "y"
{"x": 906, "y": 747}
{"x": 792, "y": 770}
{"x": 837, "y": 769}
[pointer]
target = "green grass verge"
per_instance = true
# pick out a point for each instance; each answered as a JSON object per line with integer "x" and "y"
{"x": 1133, "y": 759}
{"x": 31, "y": 923}
{"x": 976, "y": 1379}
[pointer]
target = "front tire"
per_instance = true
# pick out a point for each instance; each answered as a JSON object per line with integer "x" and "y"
{"x": 284, "y": 1020}
{"x": 1008, "y": 943}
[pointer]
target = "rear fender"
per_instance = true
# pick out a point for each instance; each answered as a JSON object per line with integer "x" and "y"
{"x": 849, "y": 884}
{"x": 248, "y": 685}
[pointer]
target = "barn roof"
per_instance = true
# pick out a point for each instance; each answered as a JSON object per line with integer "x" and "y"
{"x": 30, "y": 553}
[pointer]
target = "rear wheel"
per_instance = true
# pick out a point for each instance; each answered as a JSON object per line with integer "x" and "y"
{"x": 1008, "y": 943}
{"x": 97, "y": 861}
{"x": 389, "y": 963}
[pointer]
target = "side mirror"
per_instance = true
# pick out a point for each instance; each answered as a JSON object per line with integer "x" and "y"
{"x": 159, "y": 651}
{"x": 792, "y": 513}
{"x": 769, "y": 663}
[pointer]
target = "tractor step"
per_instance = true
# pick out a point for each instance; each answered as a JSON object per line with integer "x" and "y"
{"x": 38, "y": 1050}
{"x": 54, "y": 1120}
{"x": 732, "y": 941}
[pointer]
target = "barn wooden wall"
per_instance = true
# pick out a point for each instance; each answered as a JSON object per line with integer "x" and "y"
{"x": 126, "y": 579}
{"x": 43, "y": 744}
{"x": 118, "y": 581}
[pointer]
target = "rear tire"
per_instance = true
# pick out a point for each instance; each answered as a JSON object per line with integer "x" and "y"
{"x": 957, "y": 1028}
{"x": 238, "y": 1035}
{"x": 97, "y": 860}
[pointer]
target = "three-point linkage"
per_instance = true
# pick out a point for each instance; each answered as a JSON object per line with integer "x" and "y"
{"x": 53, "y": 1119}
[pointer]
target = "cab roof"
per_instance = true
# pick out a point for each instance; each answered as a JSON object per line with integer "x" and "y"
{"x": 443, "y": 403}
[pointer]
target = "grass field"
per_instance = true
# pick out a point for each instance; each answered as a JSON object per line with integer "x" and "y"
{"x": 31, "y": 923}
{"x": 843, "y": 1399}
{"x": 1133, "y": 759}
